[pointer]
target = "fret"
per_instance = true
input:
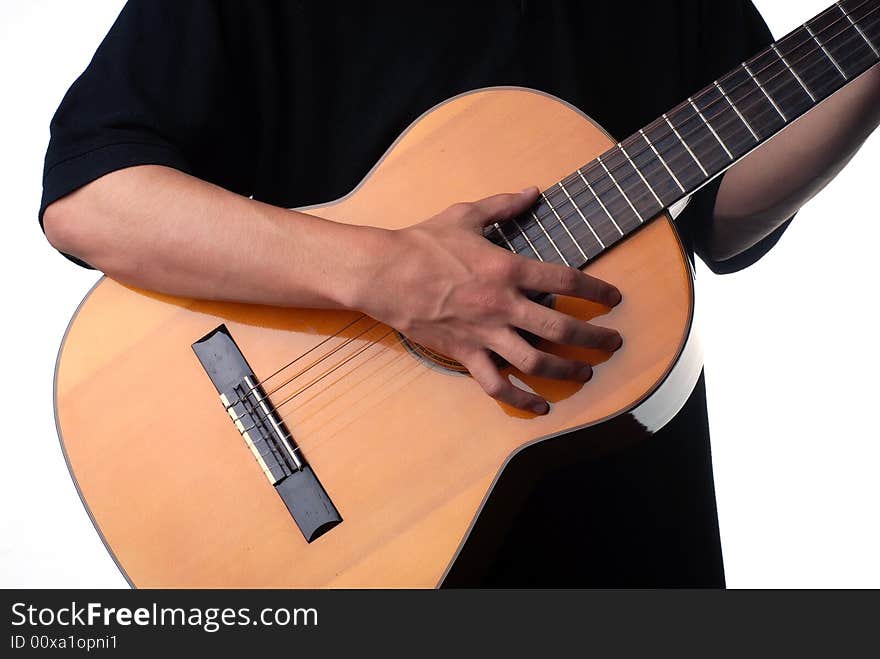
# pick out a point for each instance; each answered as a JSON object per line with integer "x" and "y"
{"x": 736, "y": 109}
{"x": 868, "y": 19}
{"x": 539, "y": 238}
{"x": 516, "y": 237}
{"x": 526, "y": 236}
{"x": 570, "y": 210}
{"x": 685, "y": 145}
{"x": 852, "y": 49}
{"x": 781, "y": 84}
{"x": 793, "y": 73}
{"x": 497, "y": 227}
{"x": 582, "y": 216}
{"x": 761, "y": 115}
{"x": 620, "y": 190}
{"x": 858, "y": 29}
{"x": 601, "y": 204}
{"x": 709, "y": 126}
{"x": 641, "y": 176}
{"x": 662, "y": 161}
{"x": 825, "y": 50}
{"x": 866, "y": 16}
{"x": 631, "y": 183}
{"x": 549, "y": 239}
{"x": 674, "y": 154}
{"x": 605, "y": 189}
{"x": 651, "y": 170}
{"x": 766, "y": 94}
{"x": 808, "y": 59}
{"x": 564, "y": 225}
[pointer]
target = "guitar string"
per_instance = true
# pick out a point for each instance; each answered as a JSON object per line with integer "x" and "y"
{"x": 297, "y": 446}
{"x": 266, "y": 394}
{"x": 666, "y": 131}
{"x": 316, "y": 440}
{"x": 335, "y": 398}
{"x": 655, "y": 166}
{"x": 313, "y": 348}
{"x": 335, "y": 367}
{"x": 308, "y": 422}
{"x": 724, "y": 110}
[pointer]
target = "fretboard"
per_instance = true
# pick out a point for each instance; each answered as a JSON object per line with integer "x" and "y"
{"x": 594, "y": 207}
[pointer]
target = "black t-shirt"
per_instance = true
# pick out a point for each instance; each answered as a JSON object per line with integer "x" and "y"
{"x": 293, "y": 102}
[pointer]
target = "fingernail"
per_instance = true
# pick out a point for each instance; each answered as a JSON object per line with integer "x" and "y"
{"x": 614, "y": 342}
{"x": 532, "y": 189}
{"x": 541, "y": 408}
{"x": 614, "y": 298}
{"x": 585, "y": 373}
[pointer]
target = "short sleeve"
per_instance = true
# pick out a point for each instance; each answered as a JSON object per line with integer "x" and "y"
{"x": 164, "y": 87}
{"x": 730, "y": 33}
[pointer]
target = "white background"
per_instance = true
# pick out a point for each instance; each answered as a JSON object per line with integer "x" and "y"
{"x": 791, "y": 354}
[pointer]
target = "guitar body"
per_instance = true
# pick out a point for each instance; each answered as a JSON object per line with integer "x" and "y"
{"x": 408, "y": 451}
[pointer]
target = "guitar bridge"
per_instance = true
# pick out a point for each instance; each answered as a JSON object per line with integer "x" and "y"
{"x": 265, "y": 434}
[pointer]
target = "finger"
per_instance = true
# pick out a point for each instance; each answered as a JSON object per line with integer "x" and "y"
{"x": 522, "y": 355}
{"x": 487, "y": 375}
{"x": 563, "y": 329}
{"x": 500, "y": 207}
{"x": 554, "y": 278}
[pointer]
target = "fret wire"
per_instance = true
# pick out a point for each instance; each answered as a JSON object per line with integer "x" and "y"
{"x": 497, "y": 227}
{"x": 869, "y": 28}
{"x": 555, "y": 246}
{"x": 601, "y": 203}
{"x": 526, "y": 236}
{"x": 858, "y": 29}
{"x": 738, "y": 113}
{"x": 564, "y": 226}
{"x": 709, "y": 126}
{"x": 761, "y": 87}
{"x": 807, "y": 59}
{"x": 685, "y": 145}
{"x": 606, "y": 231}
{"x": 579, "y": 212}
{"x": 657, "y": 153}
{"x": 620, "y": 190}
{"x": 641, "y": 176}
{"x": 825, "y": 50}
{"x": 793, "y": 72}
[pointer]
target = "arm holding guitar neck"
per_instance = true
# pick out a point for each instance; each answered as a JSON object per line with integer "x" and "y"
{"x": 771, "y": 184}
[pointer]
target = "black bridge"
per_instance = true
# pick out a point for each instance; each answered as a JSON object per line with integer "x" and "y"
{"x": 265, "y": 434}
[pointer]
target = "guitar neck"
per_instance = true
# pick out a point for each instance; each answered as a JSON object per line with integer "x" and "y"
{"x": 602, "y": 202}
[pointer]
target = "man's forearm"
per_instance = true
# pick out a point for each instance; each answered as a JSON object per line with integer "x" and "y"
{"x": 769, "y": 186}
{"x": 156, "y": 228}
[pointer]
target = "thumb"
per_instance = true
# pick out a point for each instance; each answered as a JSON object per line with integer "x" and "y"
{"x": 501, "y": 207}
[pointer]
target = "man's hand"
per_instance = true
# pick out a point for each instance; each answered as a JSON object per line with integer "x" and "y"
{"x": 446, "y": 287}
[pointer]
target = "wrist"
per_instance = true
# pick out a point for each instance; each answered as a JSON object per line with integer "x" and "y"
{"x": 368, "y": 251}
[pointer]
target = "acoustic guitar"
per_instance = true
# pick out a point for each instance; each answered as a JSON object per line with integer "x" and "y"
{"x": 235, "y": 445}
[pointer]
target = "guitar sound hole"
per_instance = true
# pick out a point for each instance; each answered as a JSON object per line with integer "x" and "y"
{"x": 432, "y": 358}
{"x": 441, "y": 362}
